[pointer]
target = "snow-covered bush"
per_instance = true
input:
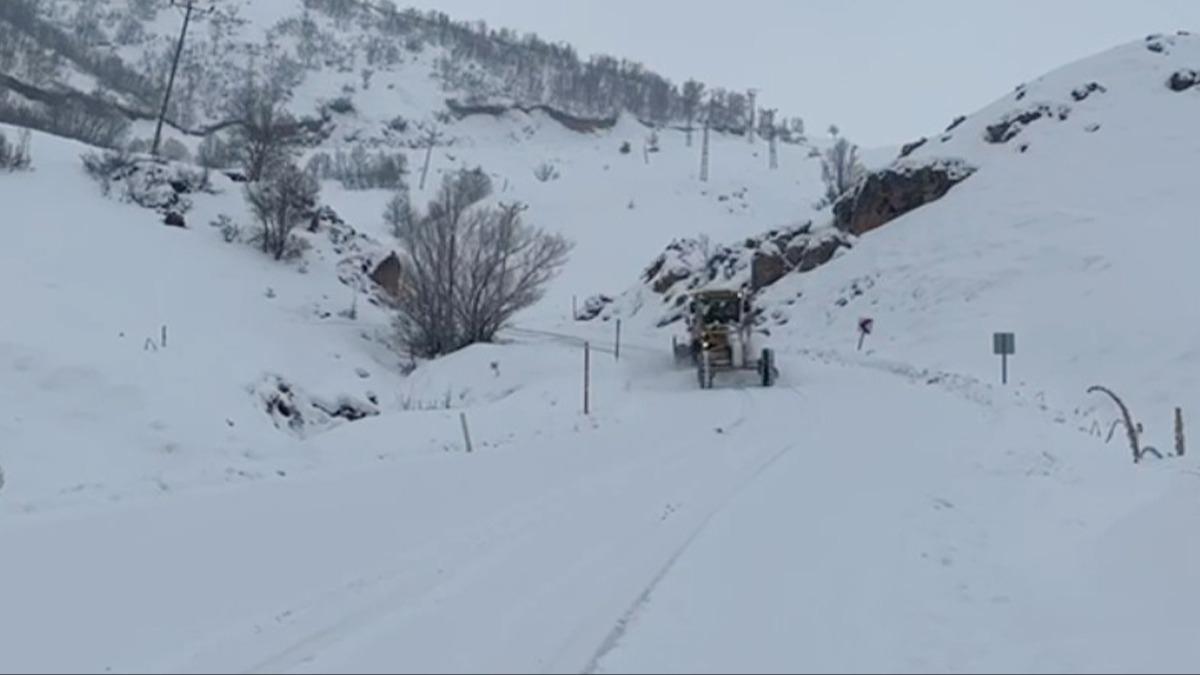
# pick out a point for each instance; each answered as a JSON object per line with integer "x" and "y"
{"x": 107, "y": 167}
{"x": 361, "y": 170}
{"x": 398, "y": 124}
{"x": 230, "y": 232}
{"x": 146, "y": 181}
{"x": 174, "y": 150}
{"x": 297, "y": 411}
{"x": 281, "y": 201}
{"x": 545, "y": 172}
{"x": 341, "y": 105}
{"x": 15, "y": 156}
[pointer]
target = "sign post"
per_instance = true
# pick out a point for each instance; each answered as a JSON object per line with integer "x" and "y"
{"x": 1004, "y": 345}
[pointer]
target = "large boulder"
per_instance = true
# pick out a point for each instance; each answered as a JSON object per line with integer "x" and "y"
{"x": 387, "y": 274}
{"x": 1183, "y": 80}
{"x": 886, "y": 195}
{"x": 798, "y": 254}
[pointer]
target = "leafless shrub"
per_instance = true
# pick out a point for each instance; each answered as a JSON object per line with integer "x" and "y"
{"x": 15, "y": 157}
{"x": 841, "y": 169}
{"x": 361, "y": 170}
{"x": 281, "y": 201}
{"x": 107, "y": 167}
{"x": 546, "y": 172}
{"x": 468, "y": 267}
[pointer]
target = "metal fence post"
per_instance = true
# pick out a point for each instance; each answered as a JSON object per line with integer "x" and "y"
{"x": 587, "y": 376}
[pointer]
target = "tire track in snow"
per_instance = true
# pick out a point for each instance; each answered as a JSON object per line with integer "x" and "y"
{"x": 505, "y": 532}
{"x": 618, "y": 631}
{"x": 343, "y": 612}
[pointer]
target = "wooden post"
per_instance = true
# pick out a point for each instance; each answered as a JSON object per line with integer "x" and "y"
{"x": 617, "y": 349}
{"x": 164, "y": 336}
{"x": 1179, "y": 443}
{"x": 466, "y": 434}
{"x": 587, "y": 377}
{"x": 1004, "y": 369}
{"x": 574, "y": 308}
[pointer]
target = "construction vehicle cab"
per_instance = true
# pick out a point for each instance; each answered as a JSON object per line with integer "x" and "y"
{"x": 720, "y": 337}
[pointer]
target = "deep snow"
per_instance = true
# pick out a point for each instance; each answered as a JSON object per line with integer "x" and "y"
{"x": 889, "y": 511}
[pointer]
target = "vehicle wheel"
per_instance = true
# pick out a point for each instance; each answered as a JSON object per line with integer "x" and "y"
{"x": 766, "y": 368}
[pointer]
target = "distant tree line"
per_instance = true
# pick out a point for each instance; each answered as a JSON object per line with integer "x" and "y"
{"x": 490, "y": 63}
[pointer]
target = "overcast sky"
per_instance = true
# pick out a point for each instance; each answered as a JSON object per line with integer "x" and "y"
{"x": 886, "y": 71}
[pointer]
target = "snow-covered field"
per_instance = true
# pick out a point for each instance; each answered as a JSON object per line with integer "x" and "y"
{"x": 890, "y": 510}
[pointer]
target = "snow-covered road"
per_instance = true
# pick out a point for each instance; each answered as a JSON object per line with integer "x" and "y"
{"x": 850, "y": 519}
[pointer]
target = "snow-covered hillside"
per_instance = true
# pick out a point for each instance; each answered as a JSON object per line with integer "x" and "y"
{"x": 90, "y": 284}
{"x": 1072, "y": 233}
{"x": 215, "y": 461}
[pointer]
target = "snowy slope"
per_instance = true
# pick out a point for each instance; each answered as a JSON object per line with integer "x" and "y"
{"x": 1072, "y": 233}
{"x": 98, "y": 406}
{"x": 79, "y": 320}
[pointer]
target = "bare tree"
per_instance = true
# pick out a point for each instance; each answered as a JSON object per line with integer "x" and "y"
{"x": 468, "y": 267}
{"x": 265, "y": 134}
{"x": 841, "y": 169}
{"x": 281, "y": 201}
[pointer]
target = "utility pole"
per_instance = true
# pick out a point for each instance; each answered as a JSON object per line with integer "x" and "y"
{"x": 704, "y": 151}
{"x": 189, "y": 6}
{"x": 431, "y": 139}
{"x": 753, "y": 94}
{"x": 768, "y": 121}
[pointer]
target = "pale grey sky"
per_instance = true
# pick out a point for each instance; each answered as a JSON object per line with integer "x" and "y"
{"x": 886, "y": 71}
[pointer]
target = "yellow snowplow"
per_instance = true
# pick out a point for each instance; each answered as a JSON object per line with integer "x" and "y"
{"x": 720, "y": 338}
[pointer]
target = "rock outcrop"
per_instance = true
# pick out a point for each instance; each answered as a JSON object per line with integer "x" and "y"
{"x": 886, "y": 195}
{"x": 387, "y": 274}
